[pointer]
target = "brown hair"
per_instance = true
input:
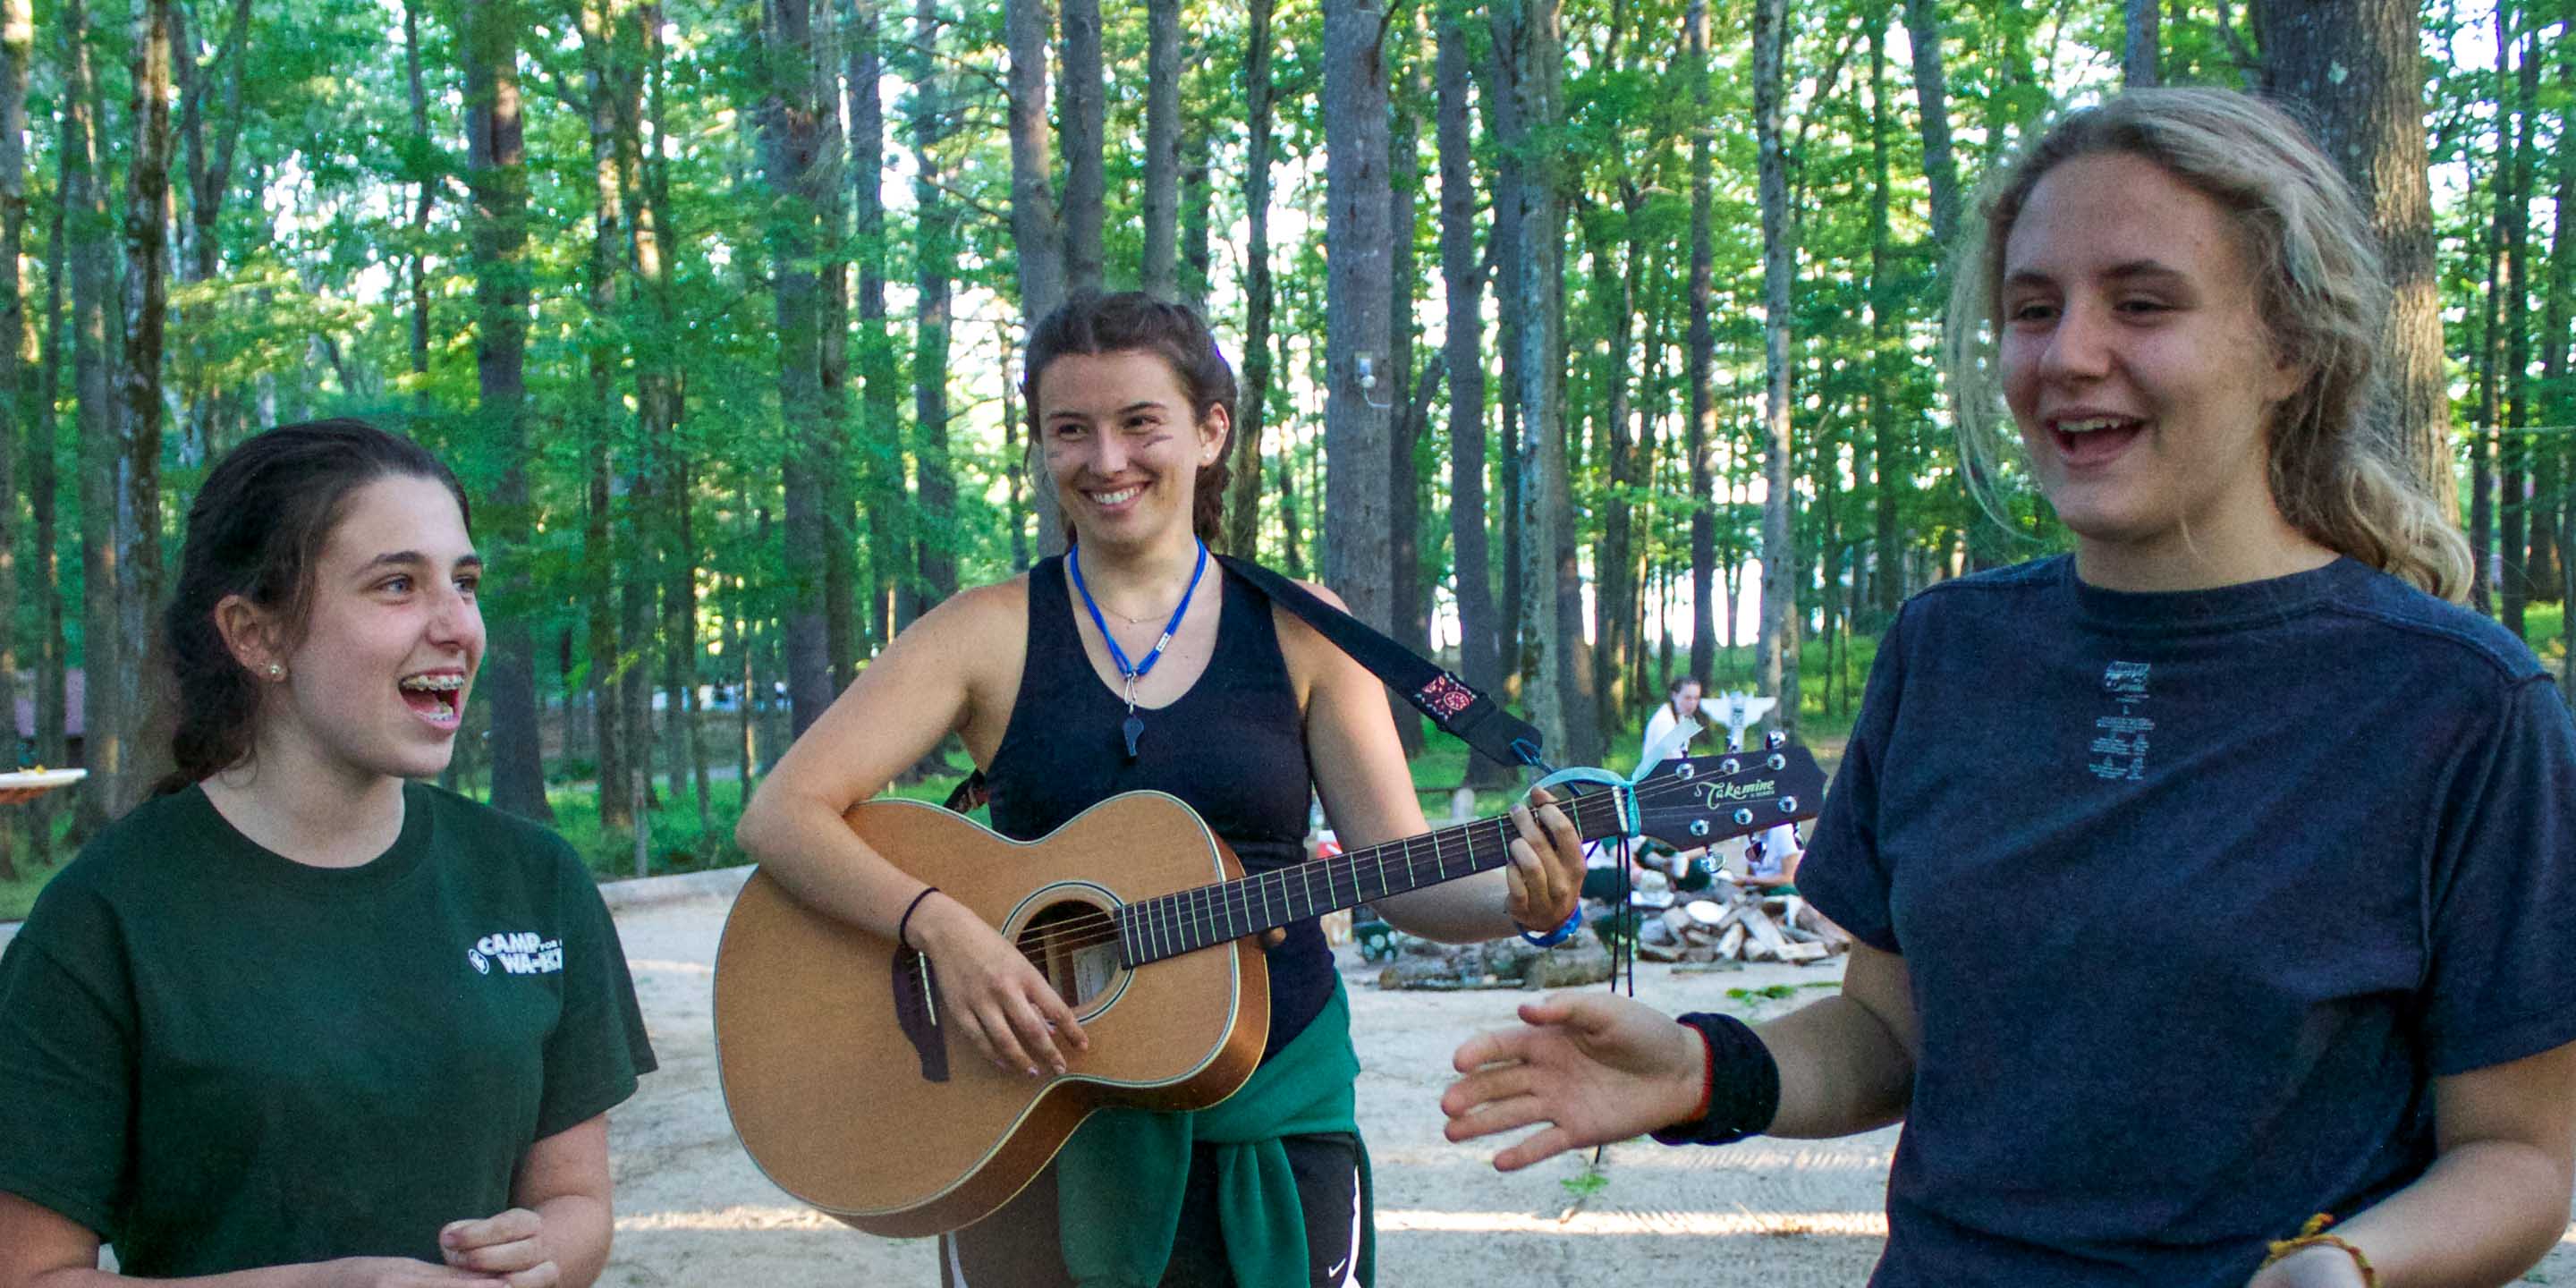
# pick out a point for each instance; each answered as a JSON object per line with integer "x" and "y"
{"x": 2338, "y": 473}
{"x": 256, "y": 529}
{"x": 1134, "y": 322}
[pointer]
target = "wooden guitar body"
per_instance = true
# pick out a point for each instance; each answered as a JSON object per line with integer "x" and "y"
{"x": 907, "y": 1130}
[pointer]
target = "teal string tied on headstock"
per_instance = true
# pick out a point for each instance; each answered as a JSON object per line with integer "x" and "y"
{"x": 1660, "y": 750}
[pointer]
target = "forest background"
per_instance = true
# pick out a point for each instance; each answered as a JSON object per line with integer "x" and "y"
{"x": 1571, "y": 332}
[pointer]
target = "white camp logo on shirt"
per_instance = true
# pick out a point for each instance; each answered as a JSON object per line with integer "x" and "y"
{"x": 522, "y": 953}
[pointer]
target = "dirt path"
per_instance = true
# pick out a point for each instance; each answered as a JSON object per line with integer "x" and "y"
{"x": 693, "y": 1211}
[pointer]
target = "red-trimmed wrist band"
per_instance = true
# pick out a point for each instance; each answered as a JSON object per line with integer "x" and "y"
{"x": 1740, "y": 1084}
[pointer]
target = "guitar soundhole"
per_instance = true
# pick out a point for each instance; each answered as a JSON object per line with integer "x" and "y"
{"x": 1074, "y": 945}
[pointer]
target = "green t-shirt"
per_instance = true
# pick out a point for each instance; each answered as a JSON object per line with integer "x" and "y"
{"x": 218, "y": 1058}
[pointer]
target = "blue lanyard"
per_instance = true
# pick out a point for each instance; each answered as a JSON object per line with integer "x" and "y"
{"x": 1134, "y": 671}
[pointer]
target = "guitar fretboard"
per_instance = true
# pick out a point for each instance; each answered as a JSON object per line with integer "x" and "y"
{"x": 1169, "y": 925}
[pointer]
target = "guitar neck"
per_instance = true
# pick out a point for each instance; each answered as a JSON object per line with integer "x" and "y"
{"x": 1188, "y": 920}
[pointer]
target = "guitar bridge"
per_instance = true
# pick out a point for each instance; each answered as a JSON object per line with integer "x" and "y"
{"x": 916, "y": 1011}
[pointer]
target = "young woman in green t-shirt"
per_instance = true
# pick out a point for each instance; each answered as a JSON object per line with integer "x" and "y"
{"x": 299, "y": 1020}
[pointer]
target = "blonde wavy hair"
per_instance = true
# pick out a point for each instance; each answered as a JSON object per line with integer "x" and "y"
{"x": 2338, "y": 469}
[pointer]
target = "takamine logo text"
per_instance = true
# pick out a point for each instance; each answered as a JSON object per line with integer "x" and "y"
{"x": 1714, "y": 794}
{"x": 523, "y": 953}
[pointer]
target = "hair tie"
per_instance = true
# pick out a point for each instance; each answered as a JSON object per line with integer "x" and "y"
{"x": 906, "y": 921}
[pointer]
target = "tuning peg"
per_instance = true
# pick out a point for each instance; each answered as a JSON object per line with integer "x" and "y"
{"x": 1775, "y": 739}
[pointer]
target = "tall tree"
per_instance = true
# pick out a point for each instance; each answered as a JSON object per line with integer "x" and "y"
{"x": 1037, "y": 230}
{"x": 1086, "y": 125}
{"x": 1162, "y": 277}
{"x": 879, "y": 442}
{"x": 791, "y": 140}
{"x": 1777, "y": 655}
{"x": 1360, "y": 387}
{"x": 605, "y": 406}
{"x": 1702, "y": 445}
{"x": 1884, "y": 307}
{"x": 1932, "y": 109}
{"x": 497, "y": 172}
{"x": 2139, "y": 52}
{"x": 108, "y": 689}
{"x": 209, "y": 176}
{"x": 935, "y": 266}
{"x": 1552, "y": 602}
{"x": 1462, "y": 287}
{"x": 2355, "y": 69}
{"x": 422, "y": 164}
{"x": 1409, "y": 605}
{"x": 1243, "y": 508}
{"x": 17, "y": 61}
{"x": 2513, "y": 464}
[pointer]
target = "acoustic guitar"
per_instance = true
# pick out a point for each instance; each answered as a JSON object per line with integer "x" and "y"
{"x": 852, "y": 1092}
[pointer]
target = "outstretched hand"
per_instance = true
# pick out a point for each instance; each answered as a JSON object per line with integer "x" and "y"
{"x": 1595, "y": 1068}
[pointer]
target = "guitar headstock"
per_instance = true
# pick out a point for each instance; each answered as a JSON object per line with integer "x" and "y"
{"x": 1699, "y": 800}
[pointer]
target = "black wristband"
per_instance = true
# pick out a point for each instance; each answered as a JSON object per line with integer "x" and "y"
{"x": 906, "y": 922}
{"x": 1743, "y": 1085}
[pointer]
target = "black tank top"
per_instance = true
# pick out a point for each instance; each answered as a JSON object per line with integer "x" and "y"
{"x": 1232, "y": 747}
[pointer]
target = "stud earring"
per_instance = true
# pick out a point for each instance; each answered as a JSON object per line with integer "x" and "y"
{"x": 276, "y": 672}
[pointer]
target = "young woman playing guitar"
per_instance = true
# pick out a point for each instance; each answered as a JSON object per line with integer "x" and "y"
{"x": 2286, "y": 844}
{"x": 1137, "y": 662}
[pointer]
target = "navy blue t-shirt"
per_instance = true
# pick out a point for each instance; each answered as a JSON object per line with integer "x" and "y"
{"x": 2198, "y": 892}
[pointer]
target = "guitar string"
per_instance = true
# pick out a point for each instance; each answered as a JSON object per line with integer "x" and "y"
{"x": 1098, "y": 928}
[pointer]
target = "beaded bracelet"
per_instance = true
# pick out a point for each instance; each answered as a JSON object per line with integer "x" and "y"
{"x": 2312, "y": 1235}
{"x": 1573, "y": 922}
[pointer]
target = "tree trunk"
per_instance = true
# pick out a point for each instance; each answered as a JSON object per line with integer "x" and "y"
{"x": 1360, "y": 386}
{"x": 1510, "y": 162}
{"x": 2559, "y": 398}
{"x": 2514, "y": 461}
{"x": 878, "y": 445}
{"x": 605, "y": 407}
{"x": 1891, "y": 468}
{"x": 425, "y": 190}
{"x": 1463, "y": 285}
{"x": 1243, "y": 508}
{"x": 17, "y": 50}
{"x": 2482, "y": 437}
{"x": 2354, "y": 69}
{"x": 107, "y": 671}
{"x": 936, "y": 266}
{"x": 1198, "y": 192}
{"x": 1037, "y": 233}
{"x": 1085, "y": 128}
{"x": 1161, "y": 278}
{"x": 2139, "y": 54}
{"x": 1702, "y": 445}
{"x": 1550, "y": 588}
{"x": 44, "y": 478}
{"x": 497, "y": 174}
{"x": 1932, "y": 101}
{"x": 147, "y": 304}
{"x": 1409, "y": 607}
{"x": 791, "y": 137}
{"x": 1778, "y": 651}
{"x": 832, "y": 207}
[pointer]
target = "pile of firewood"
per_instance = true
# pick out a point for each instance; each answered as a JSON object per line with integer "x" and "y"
{"x": 1731, "y": 922}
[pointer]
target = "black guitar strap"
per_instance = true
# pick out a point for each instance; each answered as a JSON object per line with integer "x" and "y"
{"x": 1459, "y": 710}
